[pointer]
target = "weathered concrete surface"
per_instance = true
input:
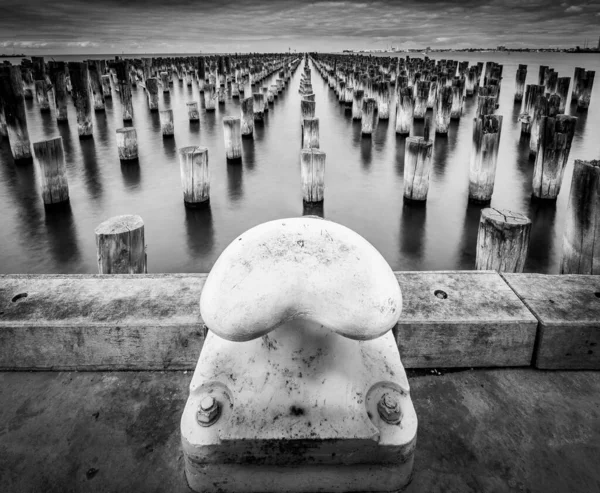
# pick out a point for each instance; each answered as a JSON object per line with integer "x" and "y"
{"x": 568, "y": 310}
{"x": 500, "y": 430}
{"x": 153, "y": 322}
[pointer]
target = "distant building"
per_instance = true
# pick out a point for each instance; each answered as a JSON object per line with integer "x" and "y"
{"x": 501, "y": 48}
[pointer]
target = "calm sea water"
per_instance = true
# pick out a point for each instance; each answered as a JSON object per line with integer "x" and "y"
{"x": 363, "y": 181}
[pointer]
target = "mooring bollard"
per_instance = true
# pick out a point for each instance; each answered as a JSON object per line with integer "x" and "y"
{"x": 232, "y": 133}
{"x": 166, "y": 123}
{"x": 581, "y": 248}
{"x": 193, "y": 112}
{"x": 11, "y": 95}
{"x": 152, "y": 92}
{"x": 312, "y": 171}
{"x": 96, "y": 85}
{"x": 81, "y": 98}
{"x": 484, "y": 156}
{"x": 50, "y": 159}
{"x": 310, "y": 133}
{"x": 120, "y": 245}
{"x": 417, "y": 167}
{"x": 127, "y": 144}
{"x": 58, "y": 77}
{"x": 369, "y": 116}
{"x": 556, "y": 136}
{"x": 247, "y": 117}
{"x": 195, "y": 176}
{"x": 443, "y": 110}
{"x": 502, "y": 241}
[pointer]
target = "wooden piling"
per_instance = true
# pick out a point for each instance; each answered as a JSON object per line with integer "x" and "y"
{"x": 404, "y": 112}
{"x": 58, "y": 77}
{"x": 50, "y": 160}
{"x": 556, "y": 136}
{"x": 120, "y": 246}
{"x": 578, "y": 76}
{"x": 420, "y": 100}
{"x": 312, "y": 166}
{"x": 106, "y": 91}
{"x": 122, "y": 75}
{"x": 247, "y": 117}
{"x": 166, "y": 123}
{"x": 127, "y": 144}
{"x": 532, "y": 92}
{"x": 195, "y": 176}
{"x": 484, "y": 156}
{"x": 540, "y": 110}
{"x": 585, "y": 93}
{"x": 193, "y": 112}
{"x": 383, "y": 100}
{"x": 457, "y": 100}
{"x": 502, "y": 241}
{"x": 96, "y": 84}
{"x": 486, "y": 105}
{"x": 259, "y": 106}
{"x": 307, "y": 110}
{"x": 581, "y": 241}
{"x": 357, "y": 99}
{"x": 81, "y": 98}
{"x": 369, "y": 116}
{"x": 562, "y": 91}
{"x": 232, "y": 133}
{"x": 310, "y": 133}
{"x": 152, "y": 93}
{"x": 520, "y": 78}
{"x": 417, "y": 167}
{"x": 11, "y": 96}
{"x": 164, "y": 79}
{"x": 443, "y": 110}
{"x": 210, "y": 97}
{"x": 41, "y": 94}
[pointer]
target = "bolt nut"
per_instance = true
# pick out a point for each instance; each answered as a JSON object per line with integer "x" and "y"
{"x": 208, "y": 411}
{"x": 389, "y": 409}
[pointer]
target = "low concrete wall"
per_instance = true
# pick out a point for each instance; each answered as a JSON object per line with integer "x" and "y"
{"x": 150, "y": 322}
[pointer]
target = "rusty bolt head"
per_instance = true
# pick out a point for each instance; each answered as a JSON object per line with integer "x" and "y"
{"x": 389, "y": 409}
{"x": 208, "y": 411}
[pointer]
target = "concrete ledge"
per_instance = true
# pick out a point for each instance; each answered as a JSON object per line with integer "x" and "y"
{"x": 568, "y": 310}
{"x": 502, "y": 430}
{"x": 148, "y": 322}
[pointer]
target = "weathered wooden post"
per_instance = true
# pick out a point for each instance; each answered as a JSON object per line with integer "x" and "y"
{"x": 312, "y": 165}
{"x": 210, "y": 97}
{"x": 58, "y": 77}
{"x": 357, "y": 99}
{"x": 540, "y": 110}
{"x": 457, "y": 100}
{"x": 81, "y": 97}
{"x": 484, "y": 156}
{"x": 41, "y": 94}
{"x": 259, "y": 107}
{"x": 307, "y": 110}
{"x": 562, "y": 91}
{"x": 556, "y": 135}
{"x": 310, "y": 133}
{"x": 577, "y": 82}
{"x": 106, "y": 92}
{"x": 369, "y": 116}
{"x": 122, "y": 75}
{"x": 152, "y": 93}
{"x": 581, "y": 241}
{"x": 193, "y": 112}
{"x": 486, "y": 105}
{"x": 417, "y": 167}
{"x": 232, "y": 132}
{"x": 195, "y": 176}
{"x": 247, "y": 117}
{"x": 532, "y": 92}
{"x": 120, "y": 246}
{"x": 164, "y": 80}
{"x": 50, "y": 159}
{"x": 404, "y": 112}
{"x": 471, "y": 81}
{"x": 433, "y": 91}
{"x": 443, "y": 110}
{"x": 585, "y": 93}
{"x": 96, "y": 84}
{"x": 127, "y": 144}
{"x": 542, "y": 75}
{"x": 383, "y": 100}
{"x": 11, "y": 100}
{"x": 166, "y": 123}
{"x": 3, "y": 130}
{"x": 502, "y": 241}
{"x": 420, "y": 99}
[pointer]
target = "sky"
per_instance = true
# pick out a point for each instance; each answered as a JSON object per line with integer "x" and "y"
{"x": 208, "y": 26}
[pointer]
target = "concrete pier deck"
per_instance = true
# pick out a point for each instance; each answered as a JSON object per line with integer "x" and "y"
{"x": 481, "y": 430}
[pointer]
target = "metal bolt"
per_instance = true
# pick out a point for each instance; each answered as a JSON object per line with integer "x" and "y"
{"x": 389, "y": 409}
{"x": 208, "y": 411}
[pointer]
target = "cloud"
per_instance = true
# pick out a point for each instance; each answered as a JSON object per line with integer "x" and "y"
{"x": 269, "y": 25}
